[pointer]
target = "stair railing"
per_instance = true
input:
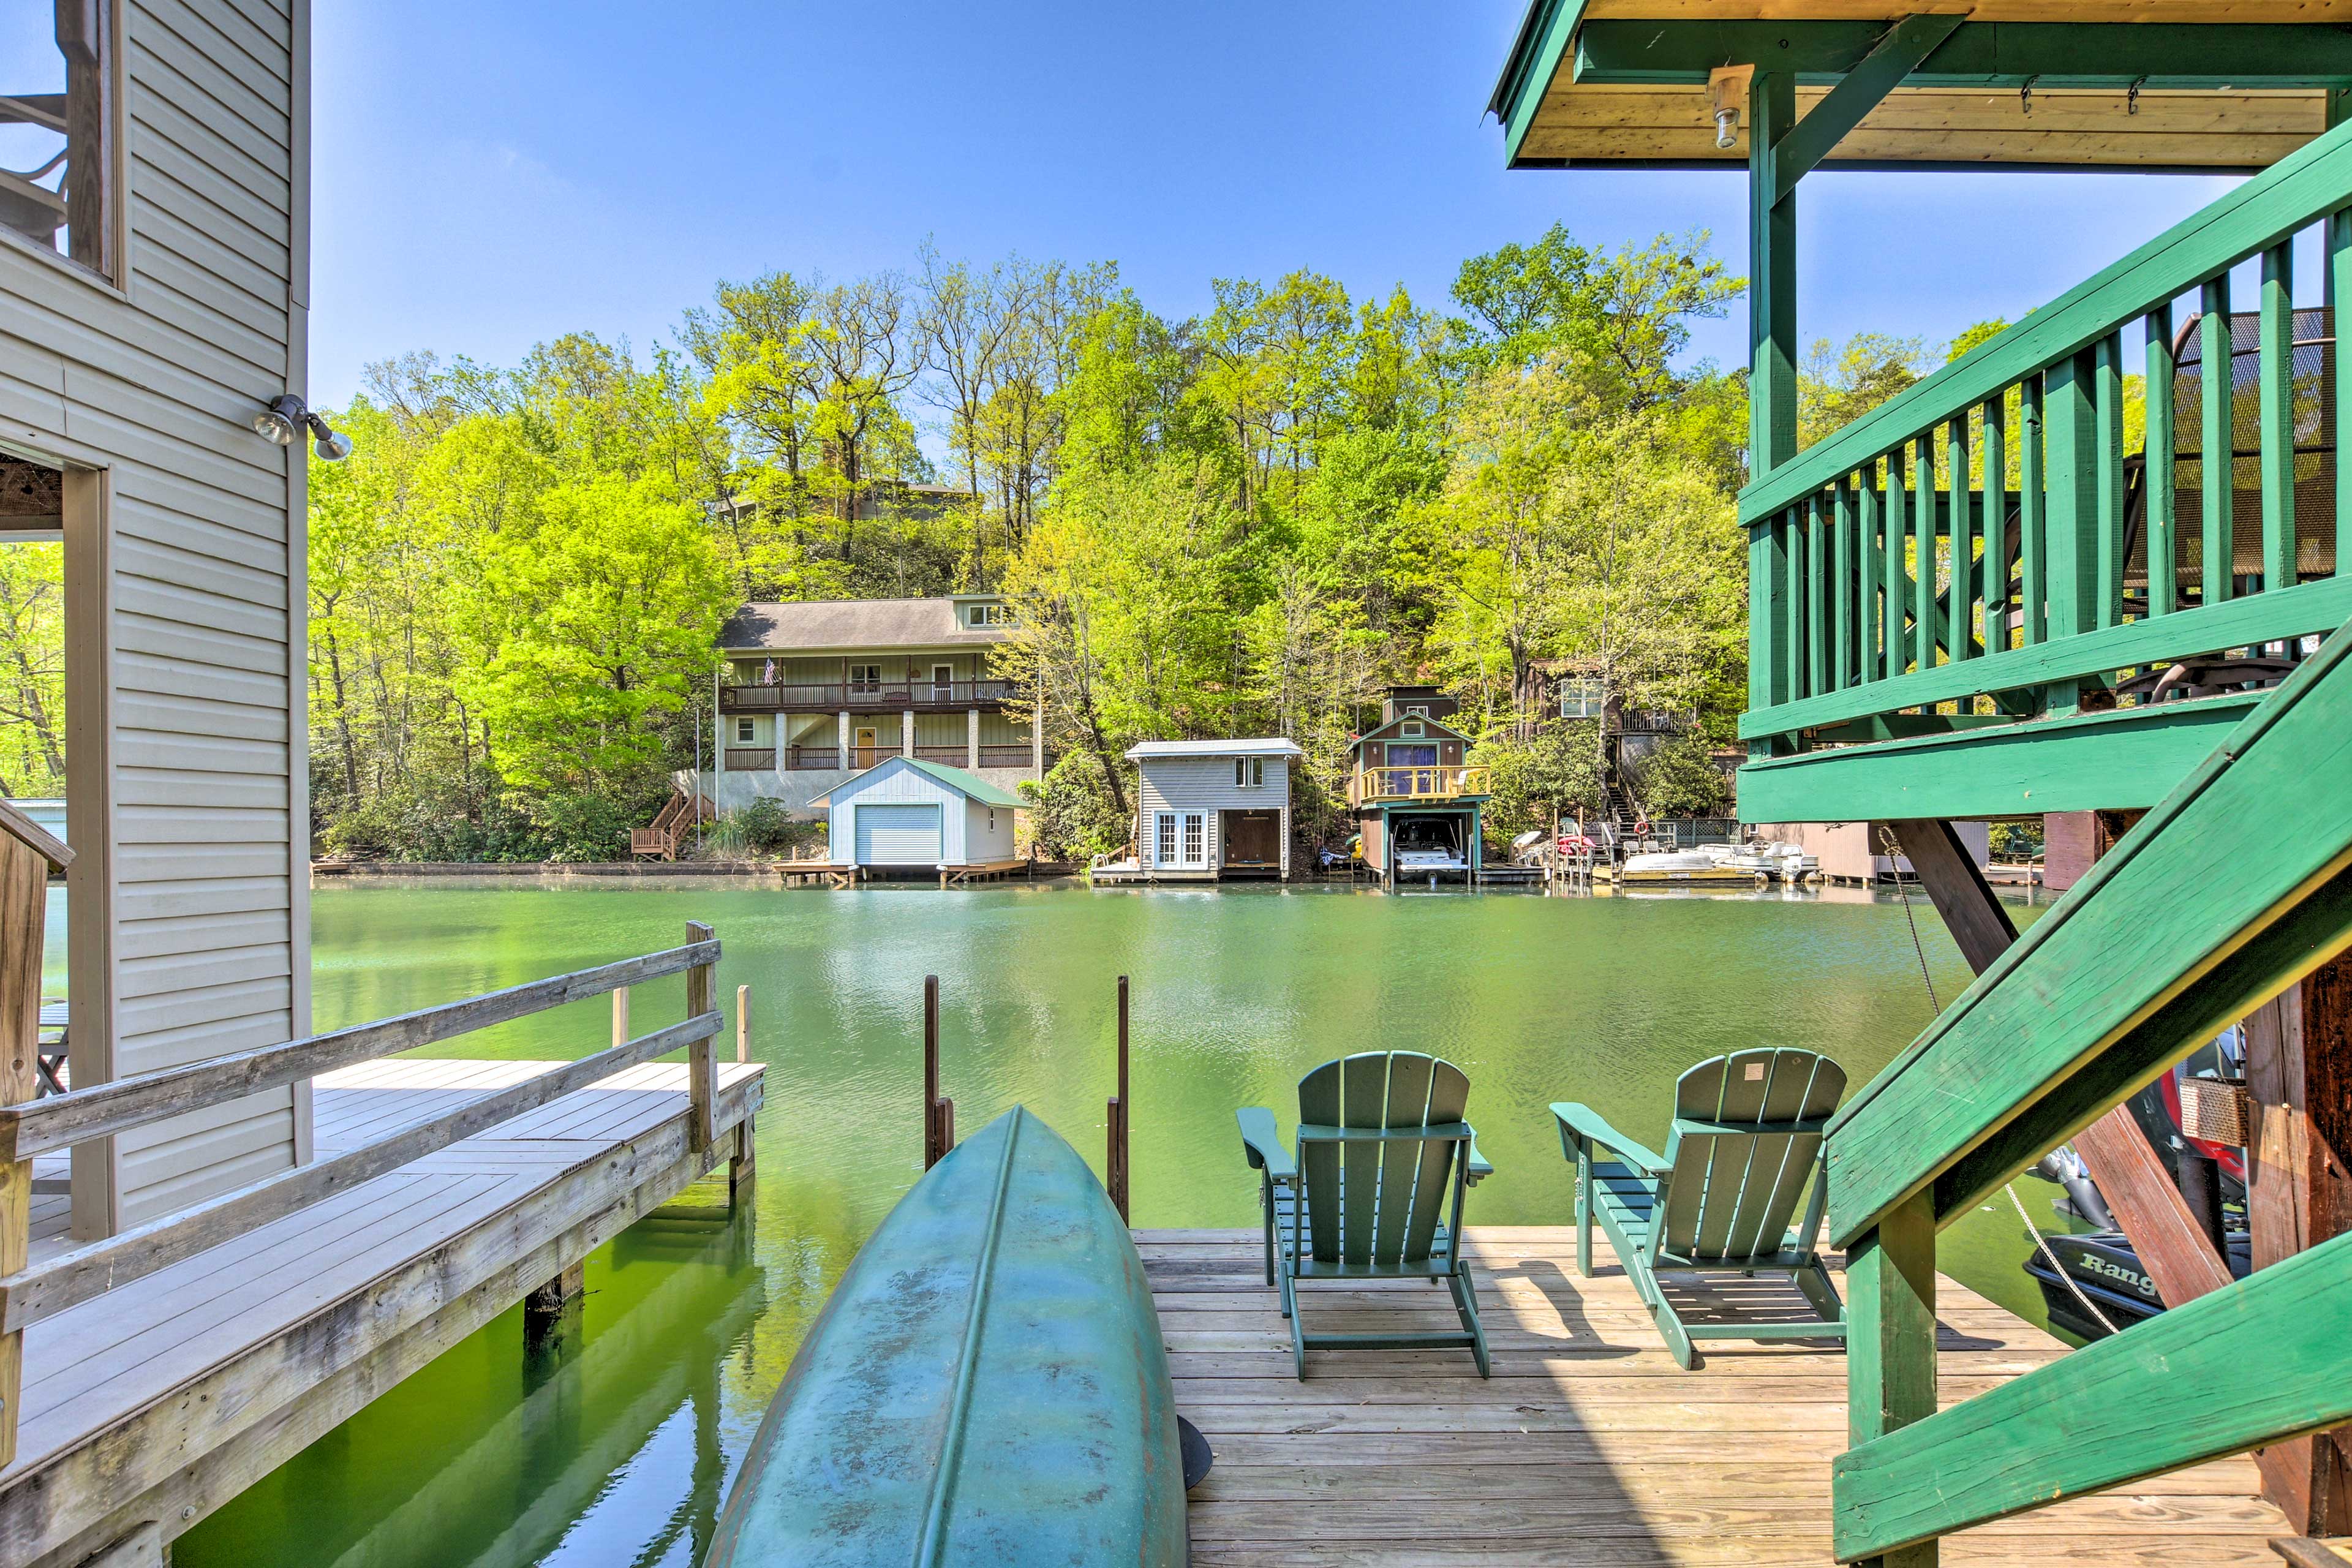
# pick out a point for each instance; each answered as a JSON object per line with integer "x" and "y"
{"x": 1984, "y": 541}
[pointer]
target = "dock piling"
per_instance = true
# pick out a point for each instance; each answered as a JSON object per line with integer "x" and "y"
{"x": 551, "y": 1313}
{"x": 1115, "y": 1169}
{"x": 743, "y": 1168}
{"x": 702, "y": 1068}
{"x": 938, "y": 1114}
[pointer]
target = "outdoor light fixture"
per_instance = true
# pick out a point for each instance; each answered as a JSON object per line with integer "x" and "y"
{"x": 1726, "y": 128}
{"x": 283, "y": 420}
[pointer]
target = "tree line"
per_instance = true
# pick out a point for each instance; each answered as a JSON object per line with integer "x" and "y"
{"x": 1248, "y": 521}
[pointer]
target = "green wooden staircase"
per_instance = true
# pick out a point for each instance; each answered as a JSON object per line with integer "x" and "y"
{"x": 2234, "y": 888}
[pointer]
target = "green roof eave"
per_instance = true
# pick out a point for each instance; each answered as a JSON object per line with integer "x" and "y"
{"x": 1543, "y": 39}
{"x": 970, "y": 783}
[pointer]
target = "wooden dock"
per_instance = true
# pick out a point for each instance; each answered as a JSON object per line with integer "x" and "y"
{"x": 1588, "y": 1446}
{"x": 147, "y": 1405}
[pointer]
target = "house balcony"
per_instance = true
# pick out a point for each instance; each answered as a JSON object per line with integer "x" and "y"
{"x": 1979, "y": 600}
{"x": 919, "y": 696}
{"x": 1381, "y": 786}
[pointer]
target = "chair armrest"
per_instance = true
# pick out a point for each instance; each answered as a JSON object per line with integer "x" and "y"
{"x": 1476, "y": 1169}
{"x": 1261, "y": 1146}
{"x": 1593, "y": 1128}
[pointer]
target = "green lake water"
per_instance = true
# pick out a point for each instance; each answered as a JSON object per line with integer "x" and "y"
{"x": 619, "y": 1451}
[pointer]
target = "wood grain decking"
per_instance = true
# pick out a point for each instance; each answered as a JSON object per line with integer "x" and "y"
{"x": 1588, "y": 1446}
{"x": 184, "y": 1386}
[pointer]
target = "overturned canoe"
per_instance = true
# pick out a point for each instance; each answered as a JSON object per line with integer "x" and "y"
{"x": 986, "y": 1385}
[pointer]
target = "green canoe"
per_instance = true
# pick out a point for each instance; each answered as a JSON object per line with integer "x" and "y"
{"x": 986, "y": 1385}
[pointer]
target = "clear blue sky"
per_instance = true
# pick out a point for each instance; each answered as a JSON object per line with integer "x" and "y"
{"x": 489, "y": 176}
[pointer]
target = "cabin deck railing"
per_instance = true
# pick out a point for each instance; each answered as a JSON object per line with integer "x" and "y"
{"x": 892, "y": 696}
{"x": 1978, "y": 548}
{"x": 1371, "y": 785}
{"x": 33, "y": 1291}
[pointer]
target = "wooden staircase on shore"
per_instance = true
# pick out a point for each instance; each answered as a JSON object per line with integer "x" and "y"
{"x": 671, "y": 824}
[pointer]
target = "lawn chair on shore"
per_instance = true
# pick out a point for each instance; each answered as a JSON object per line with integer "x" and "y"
{"x": 1746, "y": 1135}
{"x": 1381, "y": 1147}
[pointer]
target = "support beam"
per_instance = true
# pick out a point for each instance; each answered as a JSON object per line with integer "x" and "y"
{"x": 551, "y": 1313}
{"x": 2299, "y": 1072}
{"x": 1890, "y": 1345}
{"x": 1864, "y": 89}
{"x": 1771, "y": 276}
{"x": 1947, "y": 871}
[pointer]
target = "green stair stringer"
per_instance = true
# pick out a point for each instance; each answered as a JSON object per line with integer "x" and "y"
{"x": 2231, "y": 889}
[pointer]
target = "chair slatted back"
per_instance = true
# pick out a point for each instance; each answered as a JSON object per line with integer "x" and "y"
{"x": 1378, "y": 1201}
{"x": 1728, "y": 1194}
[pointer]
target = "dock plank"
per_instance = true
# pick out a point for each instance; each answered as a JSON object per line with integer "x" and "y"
{"x": 1589, "y": 1448}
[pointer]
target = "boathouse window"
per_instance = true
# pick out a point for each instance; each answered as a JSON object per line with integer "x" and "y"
{"x": 56, "y": 135}
{"x": 1580, "y": 698}
{"x": 1195, "y": 849}
{"x": 1166, "y": 849}
{"x": 1249, "y": 772}
{"x": 1419, "y": 708}
{"x": 1411, "y": 729}
{"x": 865, "y": 678}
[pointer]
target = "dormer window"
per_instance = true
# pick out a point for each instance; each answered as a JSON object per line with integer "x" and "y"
{"x": 988, "y": 615}
{"x": 1419, "y": 709}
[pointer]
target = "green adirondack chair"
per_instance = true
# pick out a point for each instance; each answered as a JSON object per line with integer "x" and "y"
{"x": 1382, "y": 1145}
{"x": 1747, "y": 1134}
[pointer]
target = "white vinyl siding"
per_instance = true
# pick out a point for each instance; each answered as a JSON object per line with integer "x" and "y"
{"x": 1206, "y": 784}
{"x": 194, "y": 836}
{"x": 893, "y": 833}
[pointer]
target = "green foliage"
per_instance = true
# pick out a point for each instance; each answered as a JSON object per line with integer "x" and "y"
{"x": 763, "y": 827}
{"x": 1680, "y": 778}
{"x": 32, "y": 669}
{"x": 1556, "y": 772}
{"x": 1072, "y": 814}
{"x": 2018, "y": 840}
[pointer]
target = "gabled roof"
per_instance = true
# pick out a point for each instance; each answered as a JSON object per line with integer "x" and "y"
{"x": 849, "y": 625}
{"x": 1390, "y": 731}
{"x": 1273, "y": 747}
{"x": 968, "y": 784}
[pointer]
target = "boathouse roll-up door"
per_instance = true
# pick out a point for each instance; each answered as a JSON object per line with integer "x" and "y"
{"x": 898, "y": 834}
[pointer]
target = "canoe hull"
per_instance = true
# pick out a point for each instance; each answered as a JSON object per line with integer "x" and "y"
{"x": 986, "y": 1385}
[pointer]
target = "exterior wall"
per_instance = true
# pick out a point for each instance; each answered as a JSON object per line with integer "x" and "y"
{"x": 1203, "y": 785}
{"x": 981, "y": 841}
{"x": 187, "y": 778}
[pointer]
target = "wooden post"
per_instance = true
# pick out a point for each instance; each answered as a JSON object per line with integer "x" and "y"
{"x": 702, "y": 1071}
{"x": 2299, "y": 1193}
{"x": 938, "y": 1114}
{"x": 621, "y": 1016}
{"x": 743, "y": 1168}
{"x": 553, "y": 1308}
{"x": 27, "y": 854}
{"x": 1890, "y": 1356}
{"x": 1115, "y": 1161}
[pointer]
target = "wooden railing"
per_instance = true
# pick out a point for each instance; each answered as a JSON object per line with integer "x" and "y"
{"x": 749, "y": 759}
{"x": 29, "y": 1293}
{"x": 1985, "y": 539}
{"x": 825, "y": 758}
{"x": 2199, "y": 915}
{"x": 830, "y": 697}
{"x": 1007, "y": 756}
{"x": 1372, "y": 784}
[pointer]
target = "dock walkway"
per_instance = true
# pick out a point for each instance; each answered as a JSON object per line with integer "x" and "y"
{"x": 147, "y": 1406}
{"x": 1588, "y": 1446}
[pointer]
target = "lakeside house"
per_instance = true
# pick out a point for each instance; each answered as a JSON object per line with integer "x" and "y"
{"x": 910, "y": 813}
{"x": 1206, "y": 810}
{"x": 1417, "y": 806}
{"x": 815, "y": 692}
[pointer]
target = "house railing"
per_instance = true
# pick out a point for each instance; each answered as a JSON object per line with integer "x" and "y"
{"x": 1372, "y": 784}
{"x": 1984, "y": 540}
{"x": 954, "y": 757}
{"x": 891, "y": 696}
{"x": 1007, "y": 756}
{"x": 822, "y": 757}
{"x": 31, "y": 1292}
{"x": 751, "y": 758}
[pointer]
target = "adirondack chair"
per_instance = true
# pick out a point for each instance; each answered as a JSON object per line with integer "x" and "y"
{"x": 1380, "y": 1144}
{"x": 1747, "y": 1134}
